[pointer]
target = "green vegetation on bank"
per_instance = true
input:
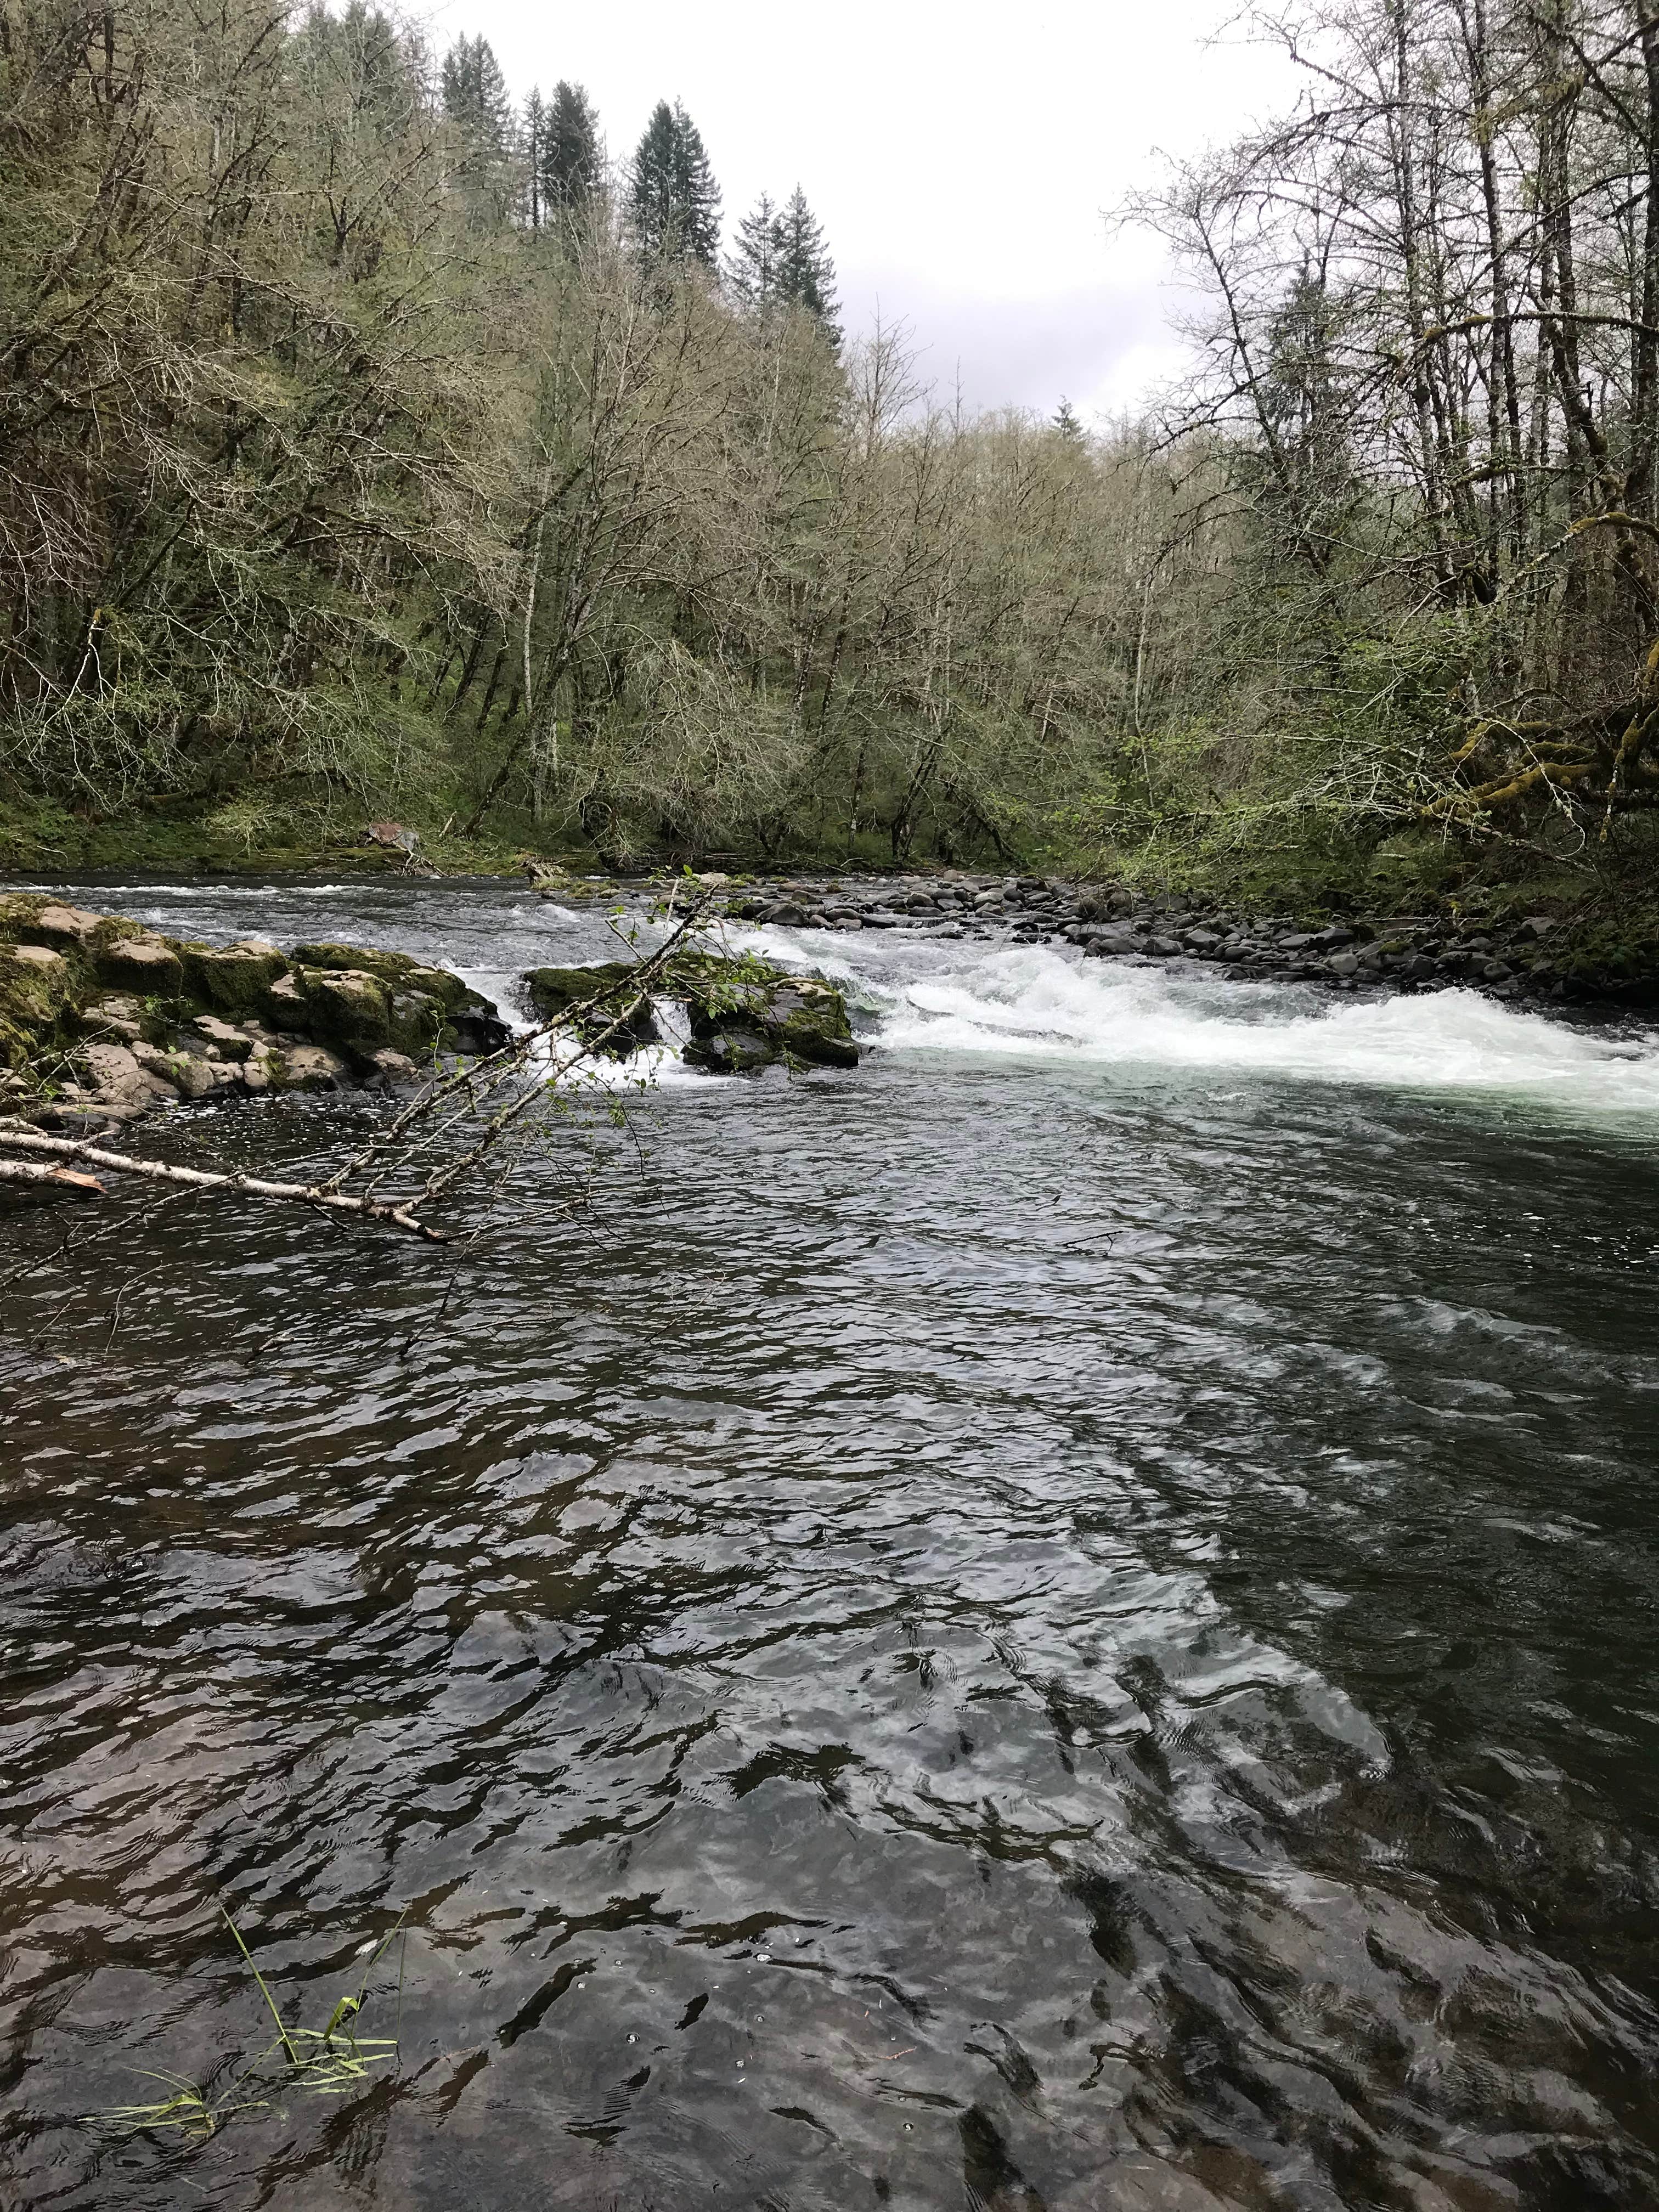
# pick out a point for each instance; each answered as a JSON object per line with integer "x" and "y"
{"x": 369, "y": 448}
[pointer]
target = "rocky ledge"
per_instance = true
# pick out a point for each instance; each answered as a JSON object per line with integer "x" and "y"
{"x": 741, "y": 1015}
{"x": 101, "y": 1019}
{"x": 1538, "y": 957}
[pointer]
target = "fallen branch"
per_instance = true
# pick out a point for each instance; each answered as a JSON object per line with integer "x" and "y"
{"x": 481, "y": 1103}
{"x": 393, "y": 1211}
{"x": 31, "y": 1171}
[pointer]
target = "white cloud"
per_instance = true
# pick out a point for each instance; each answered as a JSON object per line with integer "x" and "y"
{"x": 960, "y": 159}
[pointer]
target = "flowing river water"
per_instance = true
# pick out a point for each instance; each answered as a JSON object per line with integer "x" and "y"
{"x": 1064, "y": 1620}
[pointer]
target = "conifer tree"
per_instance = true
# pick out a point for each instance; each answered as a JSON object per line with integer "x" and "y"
{"x": 474, "y": 97}
{"x": 806, "y": 274}
{"x": 1065, "y": 422}
{"x": 572, "y": 162}
{"x": 673, "y": 202}
{"x": 752, "y": 268}
{"x": 535, "y": 146}
{"x": 475, "y": 101}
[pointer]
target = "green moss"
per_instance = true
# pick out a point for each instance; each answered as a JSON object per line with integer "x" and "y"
{"x": 555, "y": 991}
{"x": 37, "y": 999}
{"x": 347, "y": 1007}
{"x": 232, "y": 980}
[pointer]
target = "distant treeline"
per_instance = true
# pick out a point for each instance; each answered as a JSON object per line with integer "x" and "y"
{"x": 367, "y": 440}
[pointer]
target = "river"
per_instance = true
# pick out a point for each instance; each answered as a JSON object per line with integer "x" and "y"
{"x": 1064, "y": 1621}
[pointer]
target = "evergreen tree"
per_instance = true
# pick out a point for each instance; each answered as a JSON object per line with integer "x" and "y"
{"x": 1067, "y": 422}
{"x": 806, "y": 273}
{"x": 752, "y": 269}
{"x": 572, "y": 159}
{"x": 673, "y": 202}
{"x": 475, "y": 101}
{"x": 535, "y": 146}
{"x": 475, "y": 98}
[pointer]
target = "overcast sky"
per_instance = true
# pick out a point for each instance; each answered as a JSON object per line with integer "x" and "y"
{"x": 959, "y": 158}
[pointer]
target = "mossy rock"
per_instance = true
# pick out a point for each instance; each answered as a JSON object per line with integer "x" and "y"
{"x": 347, "y": 1007}
{"x": 234, "y": 980}
{"x": 809, "y": 1020}
{"x": 796, "y": 1017}
{"x": 555, "y": 991}
{"x": 37, "y": 995}
{"x": 743, "y": 1015}
{"x": 18, "y": 910}
{"x": 397, "y": 970}
{"x": 146, "y": 965}
{"x": 418, "y": 1023}
{"x": 732, "y": 1049}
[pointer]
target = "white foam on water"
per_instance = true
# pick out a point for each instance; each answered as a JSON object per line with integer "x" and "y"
{"x": 95, "y": 897}
{"x": 1034, "y": 1003}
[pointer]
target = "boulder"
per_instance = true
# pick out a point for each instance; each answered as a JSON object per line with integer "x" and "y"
{"x": 416, "y": 1022}
{"x": 285, "y": 1003}
{"x": 746, "y": 1019}
{"x": 231, "y": 1043}
{"x": 389, "y": 1070}
{"x": 146, "y": 965}
{"x": 35, "y": 1002}
{"x": 40, "y": 961}
{"x": 313, "y": 1068}
{"x": 554, "y": 992}
{"x": 1102, "y": 942}
{"x": 732, "y": 1049}
{"x": 118, "y": 1085}
{"x": 68, "y": 926}
{"x": 347, "y": 1007}
{"x": 809, "y": 1020}
{"x": 180, "y": 1071}
{"x": 117, "y": 1017}
{"x": 233, "y": 979}
{"x": 426, "y": 1006}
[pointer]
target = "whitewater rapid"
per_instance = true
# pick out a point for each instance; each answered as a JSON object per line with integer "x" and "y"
{"x": 1036, "y": 1003}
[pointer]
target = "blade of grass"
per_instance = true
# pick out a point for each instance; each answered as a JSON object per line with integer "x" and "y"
{"x": 281, "y": 2030}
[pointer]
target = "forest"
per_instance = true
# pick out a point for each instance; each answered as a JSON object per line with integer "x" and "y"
{"x": 374, "y": 443}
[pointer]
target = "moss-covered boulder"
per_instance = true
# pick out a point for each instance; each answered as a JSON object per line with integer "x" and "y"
{"x": 234, "y": 980}
{"x": 37, "y": 1001}
{"x": 731, "y": 1049}
{"x": 809, "y": 1020}
{"x": 144, "y": 964}
{"x": 426, "y": 1006}
{"x": 744, "y": 1014}
{"x": 347, "y": 1007}
{"x": 605, "y": 1006}
{"x": 395, "y": 969}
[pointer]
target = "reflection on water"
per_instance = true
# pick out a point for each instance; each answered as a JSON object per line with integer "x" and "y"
{"x": 1046, "y": 1630}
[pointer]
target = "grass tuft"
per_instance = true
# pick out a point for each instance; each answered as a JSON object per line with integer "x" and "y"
{"x": 330, "y": 2061}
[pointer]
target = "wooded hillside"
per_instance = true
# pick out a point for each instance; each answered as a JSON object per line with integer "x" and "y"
{"x": 367, "y": 442}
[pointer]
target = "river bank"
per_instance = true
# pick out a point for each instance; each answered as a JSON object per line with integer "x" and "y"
{"x": 1536, "y": 929}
